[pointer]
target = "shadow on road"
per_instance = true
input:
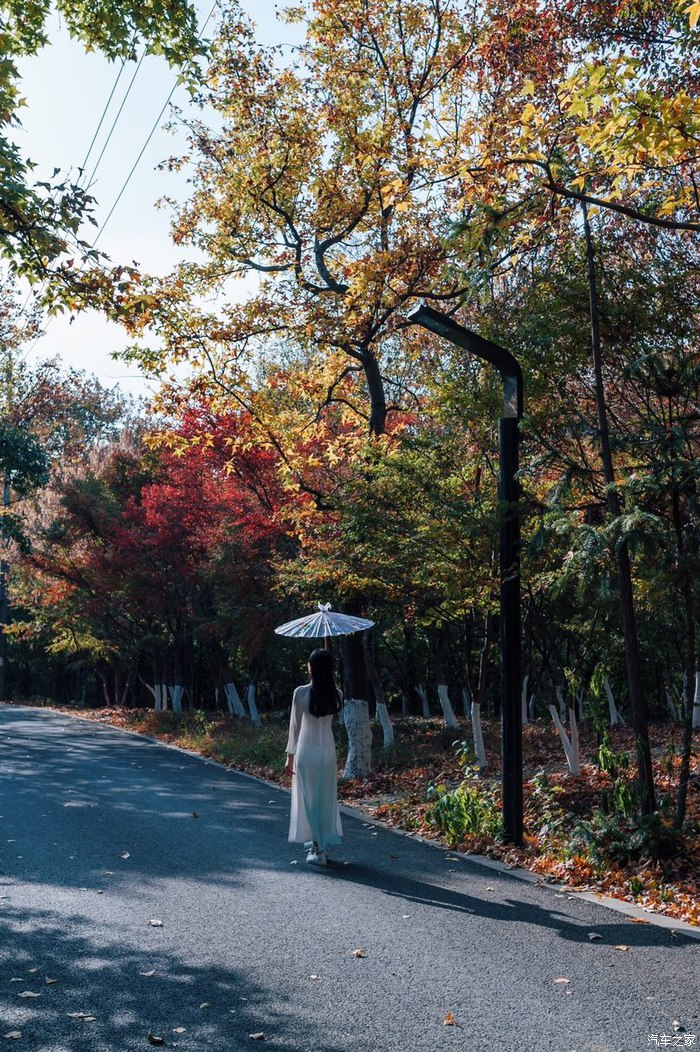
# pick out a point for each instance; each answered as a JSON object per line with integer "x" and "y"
{"x": 104, "y": 982}
{"x": 390, "y": 882}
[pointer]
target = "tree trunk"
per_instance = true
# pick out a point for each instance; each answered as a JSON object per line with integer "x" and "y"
{"x": 379, "y": 695}
{"x": 443, "y": 694}
{"x": 250, "y": 693}
{"x": 4, "y": 602}
{"x": 616, "y": 717}
{"x": 233, "y": 700}
{"x": 423, "y": 695}
{"x": 523, "y": 701}
{"x": 377, "y": 398}
{"x": 692, "y": 675}
{"x": 634, "y": 678}
{"x": 571, "y": 746}
{"x": 478, "y": 736}
{"x": 175, "y": 693}
{"x": 356, "y": 708}
{"x": 489, "y": 629}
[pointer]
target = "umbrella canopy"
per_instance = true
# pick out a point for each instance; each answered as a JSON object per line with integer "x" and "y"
{"x": 326, "y": 622}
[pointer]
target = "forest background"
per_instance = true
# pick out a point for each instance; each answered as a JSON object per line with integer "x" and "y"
{"x": 530, "y": 169}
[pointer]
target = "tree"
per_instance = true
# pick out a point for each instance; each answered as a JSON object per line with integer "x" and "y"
{"x": 39, "y": 223}
{"x": 590, "y": 102}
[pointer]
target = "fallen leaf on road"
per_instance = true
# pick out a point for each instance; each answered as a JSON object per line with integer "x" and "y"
{"x": 640, "y": 920}
{"x": 593, "y": 935}
{"x": 125, "y": 854}
{"x": 205, "y": 1004}
{"x": 489, "y": 888}
{"x": 50, "y": 982}
{"x": 179, "y": 1029}
{"x": 621, "y": 947}
{"x": 32, "y": 971}
{"x": 257, "y": 1037}
{"x": 147, "y": 975}
{"x": 451, "y": 858}
{"x": 29, "y": 993}
{"x": 14, "y": 1035}
{"x": 156, "y": 923}
{"x": 16, "y": 980}
{"x": 314, "y": 977}
{"x": 153, "y": 1039}
{"x": 195, "y": 814}
{"x": 678, "y": 1027}
{"x": 358, "y": 953}
{"x": 405, "y": 916}
{"x": 562, "y": 980}
{"x": 450, "y": 1020}
{"x": 82, "y": 1015}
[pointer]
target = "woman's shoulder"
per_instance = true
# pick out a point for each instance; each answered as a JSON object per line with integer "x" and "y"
{"x": 301, "y": 692}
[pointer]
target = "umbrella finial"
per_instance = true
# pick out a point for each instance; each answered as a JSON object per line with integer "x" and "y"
{"x": 324, "y": 606}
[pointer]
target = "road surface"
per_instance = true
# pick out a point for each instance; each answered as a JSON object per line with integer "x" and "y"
{"x": 160, "y": 895}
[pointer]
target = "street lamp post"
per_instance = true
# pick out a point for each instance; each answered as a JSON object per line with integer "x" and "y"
{"x": 511, "y": 716}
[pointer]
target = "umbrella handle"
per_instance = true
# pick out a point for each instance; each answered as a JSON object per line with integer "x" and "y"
{"x": 326, "y": 642}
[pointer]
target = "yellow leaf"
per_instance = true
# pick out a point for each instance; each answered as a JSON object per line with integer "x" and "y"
{"x": 528, "y": 113}
{"x": 402, "y": 206}
{"x": 450, "y": 1020}
{"x": 528, "y": 87}
{"x": 693, "y": 13}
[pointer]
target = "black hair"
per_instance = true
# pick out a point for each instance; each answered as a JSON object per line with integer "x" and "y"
{"x": 324, "y": 697}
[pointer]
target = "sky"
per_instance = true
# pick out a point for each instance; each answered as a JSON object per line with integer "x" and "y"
{"x": 66, "y": 91}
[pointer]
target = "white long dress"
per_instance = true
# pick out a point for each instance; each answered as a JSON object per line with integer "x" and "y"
{"x": 315, "y": 815}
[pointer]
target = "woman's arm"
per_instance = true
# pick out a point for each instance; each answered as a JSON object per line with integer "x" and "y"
{"x": 294, "y": 728}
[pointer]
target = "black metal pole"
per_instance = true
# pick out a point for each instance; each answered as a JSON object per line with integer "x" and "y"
{"x": 509, "y": 437}
{"x": 511, "y": 716}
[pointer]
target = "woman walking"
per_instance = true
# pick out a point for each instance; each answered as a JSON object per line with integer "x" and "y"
{"x": 311, "y": 759}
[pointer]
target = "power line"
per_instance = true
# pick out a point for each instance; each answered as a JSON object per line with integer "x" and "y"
{"x": 83, "y": 166}
{"x": 134, "y": 165}
{"x": 142, "y": 150}
{"x": 148, "y": 139}
{"x": 116, "y": 119}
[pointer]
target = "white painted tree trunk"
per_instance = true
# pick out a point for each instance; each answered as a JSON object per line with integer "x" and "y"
{"x": 160, "y": 695}
{"x": 446, "y": 706}
{"x": 562, "y": 703}
{"x": 523, "y": 700}
{"x": 616, "y": 717}
{"x": 466, "y": 703}
{"x": 531, "y": 706}
{"x": 233, "y": 700}
{"x": 571, "y": 745}
{"x": 696, "y": 701}
{"x": 379, "y": 695}
{"x": 420, "y": 691}
{"x": 252, "y": 707}
{"x": 385, "y": 720}
{"x": 359, "y": 761}
{"x": 478, "y": 736}
{"x": 175, "y": 694}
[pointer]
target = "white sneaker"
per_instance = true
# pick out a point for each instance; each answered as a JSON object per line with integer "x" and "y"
{"x": 317, "y": 858}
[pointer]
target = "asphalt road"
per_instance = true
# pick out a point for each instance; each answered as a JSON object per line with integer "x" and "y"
{"x": 103, "y": 832}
